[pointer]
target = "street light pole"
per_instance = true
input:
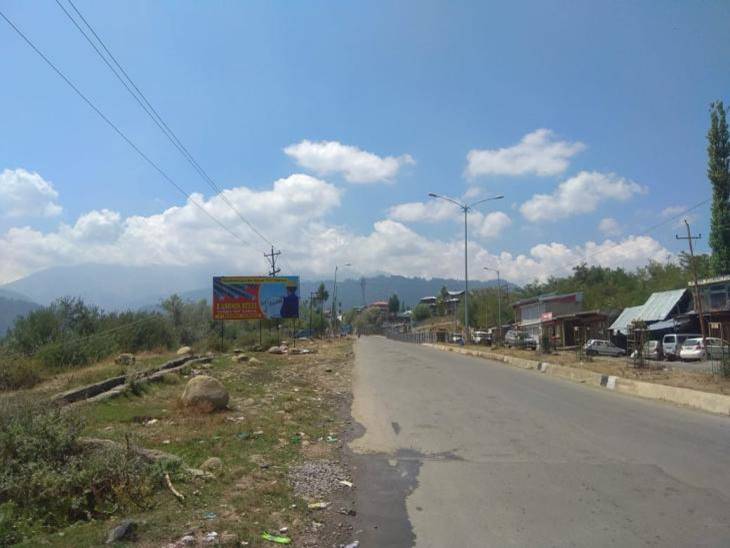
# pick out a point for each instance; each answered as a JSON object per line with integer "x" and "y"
{"x": 465, "y": 208}
{"x": 334, "y": 300}
{"x": 499, "y": 303}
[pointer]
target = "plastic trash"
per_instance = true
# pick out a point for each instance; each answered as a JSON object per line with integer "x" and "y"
{"x": 346, "y": 483}
{"x": 279, "y": 539}
{"x": 318, "y": 505}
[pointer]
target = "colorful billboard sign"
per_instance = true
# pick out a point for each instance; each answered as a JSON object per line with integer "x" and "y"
{"x": 255, "y": 297}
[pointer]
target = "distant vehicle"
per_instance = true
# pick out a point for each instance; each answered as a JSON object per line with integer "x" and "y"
{"x": 672, "y": 342}
{"x": 653, "y": 350}
{"x": 693, "y": 349}
{"x": 601, "y": 347}
{"x": 456, "y": 338}
{"x": 519, "y": 339}
{"x": 482, "y": 337}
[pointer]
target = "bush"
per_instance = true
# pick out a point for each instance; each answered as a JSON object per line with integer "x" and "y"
{"x": 50, "y": 480}
{"x": 16, "y": 373}
{"x": 421, "y": 312}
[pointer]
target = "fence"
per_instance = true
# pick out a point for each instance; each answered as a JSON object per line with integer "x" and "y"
{"x": 418, "y": 338}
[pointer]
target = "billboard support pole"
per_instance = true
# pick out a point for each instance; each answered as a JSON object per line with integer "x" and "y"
{"x": 261, "y": 342}
{"x": 222, "y": 329}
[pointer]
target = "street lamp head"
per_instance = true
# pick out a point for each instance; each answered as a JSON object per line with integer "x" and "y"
{"x": 433, "y": 195}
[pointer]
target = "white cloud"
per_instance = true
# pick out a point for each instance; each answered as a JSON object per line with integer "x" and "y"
{"x": 356, "y": 165}
{"x": 580, "y": 194}
{"x": 472, "y": 192}
{"x": 292, "y": 212}
{"x": 609, "y": 227}
{"x": 488, "y": 225}
{"x": 672, "y": 211}
{"x": 26, "y": 194}
{"x": 537, "y": 153}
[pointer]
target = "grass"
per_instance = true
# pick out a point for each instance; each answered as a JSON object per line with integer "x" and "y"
{"x": 271, "y": 404}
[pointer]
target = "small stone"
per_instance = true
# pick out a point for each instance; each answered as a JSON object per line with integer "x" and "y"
{"x": 184, "y": 351}
{"x": 124, "y": 530}
{"x": 125, "y": 359}
{"x": 248, "y": 402}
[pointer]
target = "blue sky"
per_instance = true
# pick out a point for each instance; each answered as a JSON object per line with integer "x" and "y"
{"x": 625, "y": 86}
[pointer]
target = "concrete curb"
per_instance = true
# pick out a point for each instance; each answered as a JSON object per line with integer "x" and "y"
{"x": 705, "y": 401}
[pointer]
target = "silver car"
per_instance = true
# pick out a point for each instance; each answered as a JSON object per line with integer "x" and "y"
{"x": 601, "y": 347}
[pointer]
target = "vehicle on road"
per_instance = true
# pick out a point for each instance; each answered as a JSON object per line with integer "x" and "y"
{"x": 520, "y": 339}
{"x": 482, "y": 337}
{"x": 671, "y": 343}
{"x": 653, "y": 350}
{"x": 602, "y": 347}
{"x": 695, "y": 350}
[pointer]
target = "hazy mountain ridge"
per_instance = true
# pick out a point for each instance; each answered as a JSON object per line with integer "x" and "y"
{"x": 129, "y": 287}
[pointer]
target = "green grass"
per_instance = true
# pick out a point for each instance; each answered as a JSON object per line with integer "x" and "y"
{"x": 246, "y": 498}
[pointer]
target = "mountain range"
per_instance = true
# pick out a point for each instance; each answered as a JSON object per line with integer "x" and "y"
{"x": 133, "y": 287}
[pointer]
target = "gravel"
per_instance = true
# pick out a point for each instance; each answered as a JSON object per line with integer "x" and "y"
{"x": 316, "y": 479}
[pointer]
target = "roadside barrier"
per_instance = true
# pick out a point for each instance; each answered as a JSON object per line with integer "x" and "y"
{"x": 418, "y": 337}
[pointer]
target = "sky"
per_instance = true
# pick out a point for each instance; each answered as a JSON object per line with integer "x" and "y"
{"x": 326, "y": 124}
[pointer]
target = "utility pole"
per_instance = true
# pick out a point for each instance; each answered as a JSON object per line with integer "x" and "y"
{"x": 499, "y": 303}
{"x": 362, "y": 289}
{"x": 271, "y": 257}
{"x": 698, "y": 297}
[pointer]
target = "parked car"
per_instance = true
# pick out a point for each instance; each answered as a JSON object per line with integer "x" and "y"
{"x": 482, "y": 337}
{"x": 653, "y": 350}
{"x": 456, "y": 338}
{"x": 693, "y": 349}
{"x": 601, "y": 347}
{"x": 671, "y": 343}
{"x": 520, "y": 339}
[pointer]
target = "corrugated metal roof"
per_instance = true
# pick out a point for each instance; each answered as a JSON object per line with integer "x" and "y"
{"x": 627, "y": 316}
{"x": 659, "y": 305}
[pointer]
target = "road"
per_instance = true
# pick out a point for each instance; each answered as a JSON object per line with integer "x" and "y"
{"x": 460, "y": 451}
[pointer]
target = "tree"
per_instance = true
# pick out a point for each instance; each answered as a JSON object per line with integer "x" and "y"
{"x": 173, "y": 305}
{"x": 322, "y": 294}
{"x": 421, "y": 312}
{"x": 393, "y": 304}
{"x": 718, "y": 171}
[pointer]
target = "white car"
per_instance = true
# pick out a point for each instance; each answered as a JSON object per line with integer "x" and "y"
{"x": 596, "y": 347}
{"x": 693, "y": 349}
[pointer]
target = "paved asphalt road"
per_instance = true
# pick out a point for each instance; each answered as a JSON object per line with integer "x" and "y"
{"x": 460, "y": 451}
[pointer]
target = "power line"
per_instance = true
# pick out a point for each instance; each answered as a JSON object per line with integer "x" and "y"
{"x": 150, "y": 110}
{"x": 119, "y": 132}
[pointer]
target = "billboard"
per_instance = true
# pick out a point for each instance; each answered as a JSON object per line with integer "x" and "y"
{"x": 255, "y": 297}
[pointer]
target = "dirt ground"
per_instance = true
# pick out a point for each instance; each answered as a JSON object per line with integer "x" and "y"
{"x": 280, "y": 441}
{"x": 656, "y": 372}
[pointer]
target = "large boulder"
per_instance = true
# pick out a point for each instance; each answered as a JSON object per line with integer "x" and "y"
{"x": 205, "y": 393}
{"x": 184, "y": 351}
{"x": 277, "y": 350}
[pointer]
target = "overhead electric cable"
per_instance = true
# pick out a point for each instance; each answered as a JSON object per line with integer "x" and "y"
{"x": 120, "y": 132}
{"x": 150, "y": 110}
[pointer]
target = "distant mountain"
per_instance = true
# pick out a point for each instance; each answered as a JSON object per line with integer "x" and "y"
{"x": 12, "y": 306}
{"x": 378, "y": 288}
{"x": 133, "y": 287}
{"x": 110, "y": 287}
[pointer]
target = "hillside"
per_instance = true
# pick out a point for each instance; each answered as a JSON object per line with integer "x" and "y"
{"x": 13, "y": 305}
{"x": 132, "y": 287}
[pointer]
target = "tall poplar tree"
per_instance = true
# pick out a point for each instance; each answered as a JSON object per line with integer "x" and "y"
{"x": 718, "y": 171}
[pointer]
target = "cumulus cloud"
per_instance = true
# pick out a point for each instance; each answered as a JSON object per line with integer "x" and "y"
{"x": 356, "y": 165}
{"x": 26, "y": 194}
{"x": 609, "y": 227}
{"x": 293, "y": 213}
{"x": 580, "y": 194}
{"x": 538, "y": 153}
{"x": 488, "y": 225}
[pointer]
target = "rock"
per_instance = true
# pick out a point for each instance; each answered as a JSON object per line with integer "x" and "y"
{"x": 124, "y": 530}
{"x": 254, "y": 361}
{"x": 206, "y": 393}
{"x": 238, "y": 351}
{"x": 184, "y": 351}
{"x": 248, "y": 402}
{"x": 276, "y": 350}
{"x": 240, "y": 358}
{"x": 125, "y": 359}
{"x": 212, "y": 464}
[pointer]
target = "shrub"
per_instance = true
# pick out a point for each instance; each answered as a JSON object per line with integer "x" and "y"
{"x": 49, "y": 479}
{"x": 16, "y": 373}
